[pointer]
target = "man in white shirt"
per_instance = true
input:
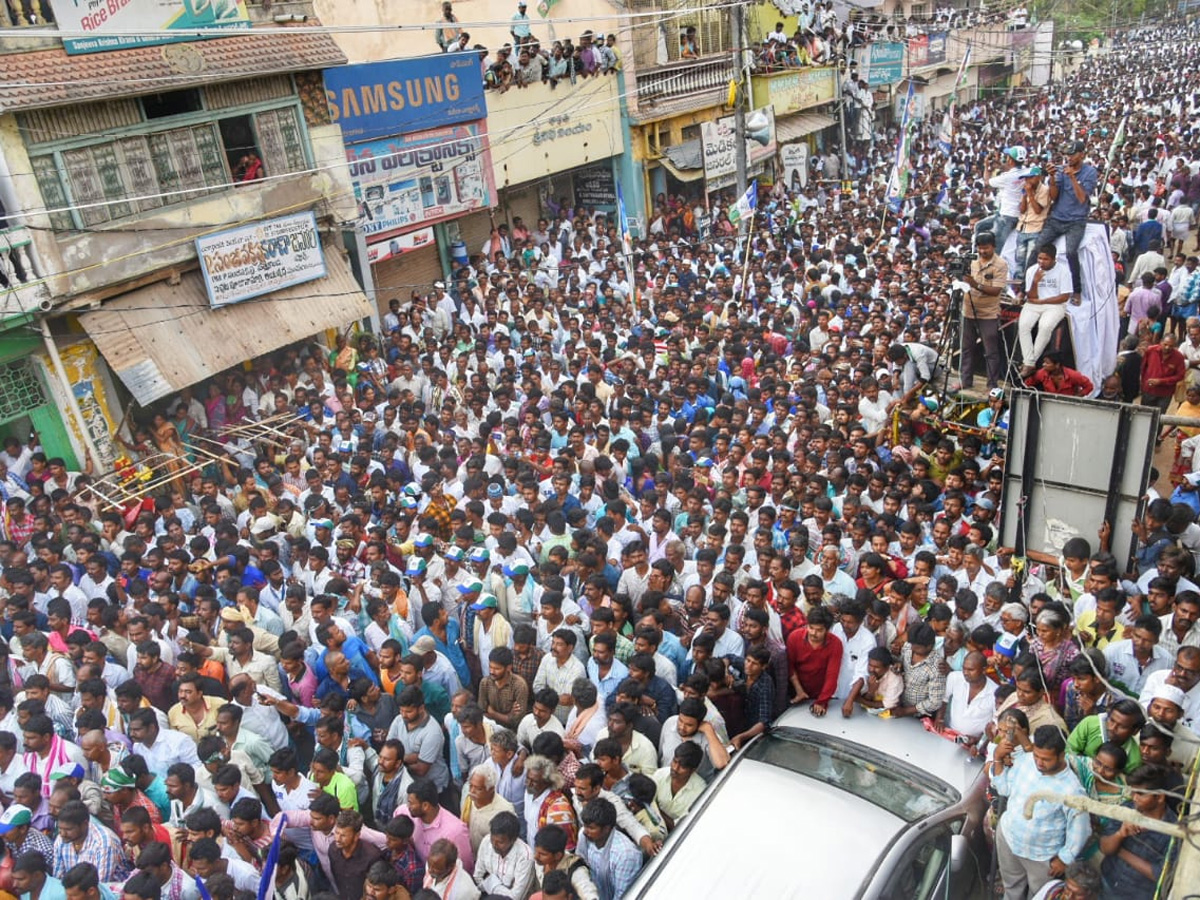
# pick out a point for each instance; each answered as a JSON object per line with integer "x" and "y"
{"x": 1047, "y": 290}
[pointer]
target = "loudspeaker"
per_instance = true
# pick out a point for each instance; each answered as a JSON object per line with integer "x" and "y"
{"x": 758, "y": 128}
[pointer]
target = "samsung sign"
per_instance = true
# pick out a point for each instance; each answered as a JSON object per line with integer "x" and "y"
{"x": 399, "y": 96}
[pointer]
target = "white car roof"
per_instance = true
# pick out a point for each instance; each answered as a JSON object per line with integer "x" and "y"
{"x": 761, "y": 836}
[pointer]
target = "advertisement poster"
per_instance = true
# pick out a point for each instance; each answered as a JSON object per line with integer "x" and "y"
{"x": 397, "y": 96}
{"x": 418, "y": 179}
{"x": 257, "y": 259}
{"x": 399, "y": 245}
{"x": 881, "y": 63}
{"x": 718, "y": 140}
{"x": 106, "y": 23}
{"x": 795, "y": 165}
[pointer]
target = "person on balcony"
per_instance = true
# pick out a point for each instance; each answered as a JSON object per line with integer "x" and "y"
{"x": 689, "y": 47}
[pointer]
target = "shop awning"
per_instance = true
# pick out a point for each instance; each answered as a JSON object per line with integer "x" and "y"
{"x": 794, "y": 127}
{"x": 162, "y": 338}
{"x": 685, "y": 161}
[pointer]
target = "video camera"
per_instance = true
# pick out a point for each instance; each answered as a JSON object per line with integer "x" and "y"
{"x": 958, "y": 266}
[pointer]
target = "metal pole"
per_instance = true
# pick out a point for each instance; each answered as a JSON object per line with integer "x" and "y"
{"x": 837, "y": 74}
{"x": 739, "y": 111}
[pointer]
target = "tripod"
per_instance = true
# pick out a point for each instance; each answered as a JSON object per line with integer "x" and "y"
{"x": 949, "y": 345}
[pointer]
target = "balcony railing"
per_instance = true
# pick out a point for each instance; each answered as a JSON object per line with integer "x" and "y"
{"x": 21, "y": 289}
{"x": 23, "y": 13}
{"x": 683, "y": 79}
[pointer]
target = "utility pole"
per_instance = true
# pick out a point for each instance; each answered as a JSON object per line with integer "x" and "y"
{"x": 842, "y": 101}
{"x": 738, "y": 13}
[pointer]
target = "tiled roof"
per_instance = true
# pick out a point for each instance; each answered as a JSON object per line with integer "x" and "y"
{"x": 45, "y": 78}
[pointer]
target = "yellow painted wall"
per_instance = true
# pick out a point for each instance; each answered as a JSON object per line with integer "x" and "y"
{"x": 539, "y": 130}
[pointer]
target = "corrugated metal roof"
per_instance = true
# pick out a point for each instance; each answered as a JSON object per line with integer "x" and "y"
{"x": 687, "y": 155}
{"x": 52, "y": 78}
{"x": 164, "y": 337}
{"x": 789, "y": 128}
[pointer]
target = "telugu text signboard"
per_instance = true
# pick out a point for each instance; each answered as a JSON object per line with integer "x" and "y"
{"x": 415, "y": 180}
{"x": 719, "y": 142}
{"x": 794, "y": 91}
{"x": 106, "y": 24}
{"x": 260, "y": 258}
{"x": 881, "y": 63}
{"x": 400, "y": 96}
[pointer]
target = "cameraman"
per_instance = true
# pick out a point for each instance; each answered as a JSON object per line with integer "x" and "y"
{"x": 981, "y": 312}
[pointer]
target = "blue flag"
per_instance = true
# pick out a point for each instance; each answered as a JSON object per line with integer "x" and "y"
{"x": 266, "y": 887}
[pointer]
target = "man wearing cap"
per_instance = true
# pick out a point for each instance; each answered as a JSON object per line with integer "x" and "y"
{"x": 491, "y": 628}
{"x": 16, "y": 825}
{"x": 121, "y": 792}
{"x": 1164, "y": 713}
{"x": 455, "y": 576}
{"x": 1007, "y": 183}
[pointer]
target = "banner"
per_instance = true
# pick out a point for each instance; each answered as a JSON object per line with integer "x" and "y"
{"x": 881, "y": 63}
{"x": 936, "y": 49}
{"x": 105, "y": 21}
{"x": 398, "y": 96}
{"x": 795, "y": 165}
{"x": 918, "y": 51}
{"x": 415, "y": 180}
{"x": 594, "y": 187}
{"x": 719, "y": 143}
{"x": 261, "y": 258}
{"x": 794, "y": 90}
{"x": 400, "y": 244}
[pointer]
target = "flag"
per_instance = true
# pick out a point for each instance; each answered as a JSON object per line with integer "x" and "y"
{"x": 544, "y": 6}
{"x": 623, "y": 223}
{"x": 961, "y": 78}
{"x": 200, "y": 887}
{"x": 746, "y": 204}
{"x": 1118, "y": 141}
{"x": 898, "y": 183}
{"x": 266, "y": 886}
{"x": 946, "y": 132}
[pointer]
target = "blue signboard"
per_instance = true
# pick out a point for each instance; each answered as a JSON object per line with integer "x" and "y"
{"x": 881, "y": 63}
{"x": 399, "y": 96}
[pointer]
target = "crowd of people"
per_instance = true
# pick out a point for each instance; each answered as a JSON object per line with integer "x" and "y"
{"x": 499, "y": 590}
{"x": 524, "y": 61}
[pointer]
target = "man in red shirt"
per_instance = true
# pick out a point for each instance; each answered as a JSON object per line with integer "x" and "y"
{"x": 1055, "y": 378}
{"x": 815, "y": 658}
{"x": 1163, "y": 367}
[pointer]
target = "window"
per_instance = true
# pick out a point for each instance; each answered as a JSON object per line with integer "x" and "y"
{"x": 20, "y": 390}
{"x": 689, "y": 133}
{"x": 119, "y": 177}
{"x": 241, "y": 148}
{"x": 924, "y": 871}
{"x": 173, "y": 103}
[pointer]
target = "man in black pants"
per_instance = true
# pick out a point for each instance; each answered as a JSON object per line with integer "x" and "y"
{"x": 981, "y": 312}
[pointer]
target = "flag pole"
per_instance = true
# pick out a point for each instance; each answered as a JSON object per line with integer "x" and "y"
{"x": 746, "y": 259}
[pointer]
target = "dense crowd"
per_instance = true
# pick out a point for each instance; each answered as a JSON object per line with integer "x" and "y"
{"x": 492, "y": 595}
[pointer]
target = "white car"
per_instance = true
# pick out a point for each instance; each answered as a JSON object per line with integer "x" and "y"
{"x": 832, "y": 809}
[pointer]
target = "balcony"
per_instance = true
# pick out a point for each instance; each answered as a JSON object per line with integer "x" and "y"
{"x": 703, "y": 82}
{"x": 25, "y": 13}
{"x": 21, "y": 289}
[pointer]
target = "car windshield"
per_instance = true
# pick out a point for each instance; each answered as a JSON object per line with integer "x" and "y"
{"x": 899, "y": 788}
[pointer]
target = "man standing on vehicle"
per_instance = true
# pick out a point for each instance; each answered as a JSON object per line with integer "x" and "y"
{"x": 1033, "y": 850}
